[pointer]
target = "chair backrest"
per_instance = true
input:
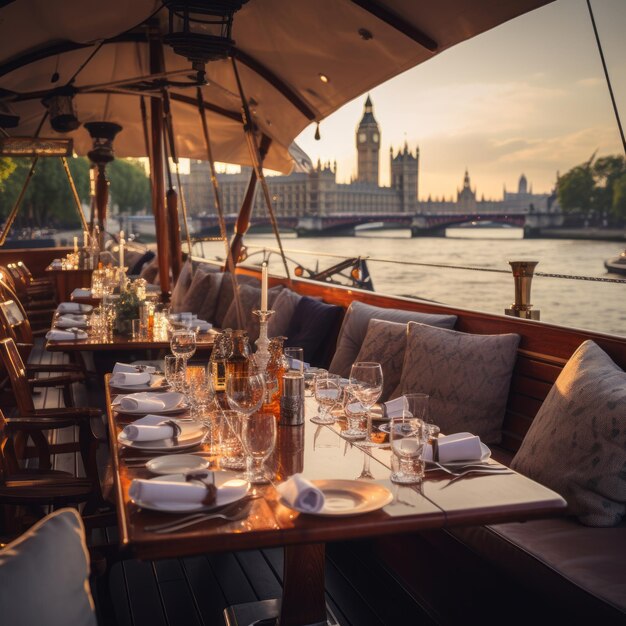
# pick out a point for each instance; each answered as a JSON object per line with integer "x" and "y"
{"x": 8, "y": 459}
{"x": 6, "y": 279}
{"x": 28, "y": 275}
{"x": 19, "y": 281}
{"x": 14, "y": 314}
{"x": 17, "y": 374}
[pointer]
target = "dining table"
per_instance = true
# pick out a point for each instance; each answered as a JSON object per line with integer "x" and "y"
{"x": 319, "y": 453}
{"x": 67, "y": 280}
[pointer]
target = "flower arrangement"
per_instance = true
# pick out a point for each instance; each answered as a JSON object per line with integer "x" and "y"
{"x": 126, "y": 310}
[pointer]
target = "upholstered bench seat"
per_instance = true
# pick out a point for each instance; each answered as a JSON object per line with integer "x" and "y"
{"x": 580, "y": 567}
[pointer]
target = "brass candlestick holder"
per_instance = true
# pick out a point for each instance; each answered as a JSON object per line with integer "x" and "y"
{"x": 262, "y": 355}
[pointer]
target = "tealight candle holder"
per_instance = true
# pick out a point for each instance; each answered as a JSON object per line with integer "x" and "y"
{"x": 262, "y": 355}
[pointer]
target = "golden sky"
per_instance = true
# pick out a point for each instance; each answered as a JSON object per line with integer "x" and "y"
{"x": 528, "y": 96}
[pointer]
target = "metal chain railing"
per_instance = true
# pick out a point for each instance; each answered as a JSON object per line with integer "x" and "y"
{"x": 599, "y": 279}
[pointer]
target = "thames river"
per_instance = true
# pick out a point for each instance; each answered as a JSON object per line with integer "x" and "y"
{"x": 582, "y": 304}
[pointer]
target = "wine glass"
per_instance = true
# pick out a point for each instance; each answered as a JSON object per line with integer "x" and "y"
{"x": 327, "y": 394}
{"x": 183, "y": 344}
{"x": 245, "y": 392}
{"x": 356, "y": 415}
{"x": 174, "y": 370}
{"x": 407, "y": 436}
{"x": 259, "y": 438}
{"x": 366, "y": 380}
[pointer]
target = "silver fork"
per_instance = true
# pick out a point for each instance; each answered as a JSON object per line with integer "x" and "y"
{"x": 204, "y": 518}
{"x": 478, "y": 472}
{"x": 236, "y": 508}
{"x": 469, "y": 466}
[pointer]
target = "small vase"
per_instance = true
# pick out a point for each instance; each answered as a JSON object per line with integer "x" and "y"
{"x": 123, "y": 327}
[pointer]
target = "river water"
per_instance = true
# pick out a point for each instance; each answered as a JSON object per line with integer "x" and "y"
{"x": 581, "y": 304}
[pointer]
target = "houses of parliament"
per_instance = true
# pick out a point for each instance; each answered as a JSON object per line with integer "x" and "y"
{"x": 317, "y": 192}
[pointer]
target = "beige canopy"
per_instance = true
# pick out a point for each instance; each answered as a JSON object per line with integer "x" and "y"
{"x": 299, "y": 61}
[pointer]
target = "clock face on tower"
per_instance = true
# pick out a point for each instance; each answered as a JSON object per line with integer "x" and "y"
{"x": 375, "y": 137}
{"x": 362, "y": 138}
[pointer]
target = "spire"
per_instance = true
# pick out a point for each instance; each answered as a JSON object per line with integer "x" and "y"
{"x": 368, "y": 102}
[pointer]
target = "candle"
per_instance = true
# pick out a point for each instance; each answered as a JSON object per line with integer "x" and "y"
{"x": 85, "y": 238}
{"x": 75, "y": 244}
{"x": 121, "y": 249}
{"x": 264, "y": 287}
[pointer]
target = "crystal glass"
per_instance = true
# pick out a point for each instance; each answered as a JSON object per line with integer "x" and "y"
{"x": 183, "y": 343}
{"x": 229, "y": 425}
{"x": 258, "y": 435}
{"x": 407, "y": 436}
{"x": 174, "y": 369}
{"x": 366, "y": 380}
{"x": 417, "y": 404}
{"x": 356, "y": 415}
{"x": 198, "y": 392}
{"x": 327, "y": 390}
{"x": 245, "y": 393}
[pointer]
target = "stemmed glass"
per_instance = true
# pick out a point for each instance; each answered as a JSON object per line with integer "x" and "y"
{"x": 259, "y": 438}
{"x": 327, "y": 394}
{"x": 366, "y": 381}
{"x": 245, "y": 393}
{"x": 356, "y": 415}
{"x": 174, "y": 370}
{"x": 183, "y": 344}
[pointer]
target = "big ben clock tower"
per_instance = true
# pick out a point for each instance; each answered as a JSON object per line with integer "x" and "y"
{"x": 368, "y": 146}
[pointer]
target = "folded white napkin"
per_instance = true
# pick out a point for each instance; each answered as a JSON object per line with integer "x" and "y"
{"x": 157, "y": 491}
{"x": 130, "y": 368}
{"x": 130, "y": 378}
{"x": 201, "y": 325}
{"x": 71, "y": 321}
{"x": 82, "y": 293}
{"x": 396, "y": 408}
{"x": 56, "y": 263}
{"x": 74, "y": 307}
{"x": 456, "y": 447}
{"x": 295, "y": 364}
{"x": 301, "y": 494}
{"x": 147, "y": 404}
{"x": 65, "y": 335}
{"x": 149, "y": 428}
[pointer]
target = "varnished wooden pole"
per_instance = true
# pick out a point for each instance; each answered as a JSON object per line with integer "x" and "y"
{"x": 172, "y": 211}
{"x": 102, "y": 200}
{"x": 158, "y": 181}
{"x": 243, "y": 219}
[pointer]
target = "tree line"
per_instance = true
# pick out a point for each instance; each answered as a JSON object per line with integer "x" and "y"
{"x": 595, "y": 190}
{"x": 48, "y": 201}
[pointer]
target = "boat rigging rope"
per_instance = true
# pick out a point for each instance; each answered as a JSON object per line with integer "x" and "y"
{"x": 230, "y": 264}
{"x": 473, "y": 268}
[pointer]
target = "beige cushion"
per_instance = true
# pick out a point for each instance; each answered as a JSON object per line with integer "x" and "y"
{"x": 211, "y": 288}
{"x": 354, "y": 329}
{"x": 181, "y": 287}
{"x": 385, "y": 343}
{"x": 225, "y": 297}
{"x": 576, "y": 444}
{"x": 467, "y": 377}
{"x": 250, "y": 298}
{"x": 284, "y": 306}
{"x": 197, "y": 292}
{"x": 44, "y": 575}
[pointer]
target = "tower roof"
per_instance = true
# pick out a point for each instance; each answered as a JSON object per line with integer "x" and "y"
{"x": 368, "y": 114}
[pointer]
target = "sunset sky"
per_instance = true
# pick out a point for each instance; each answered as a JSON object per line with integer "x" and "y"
{"x": 528, "y": 96}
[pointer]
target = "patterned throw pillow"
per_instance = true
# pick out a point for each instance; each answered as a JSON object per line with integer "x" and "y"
{"x": 467, "y": 377}
{"x": 385, "y": 343}
{"x": 354, "y": 329}
{"x": 576, "y": 444}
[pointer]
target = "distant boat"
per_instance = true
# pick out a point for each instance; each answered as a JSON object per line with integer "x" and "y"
{"x": 617, "y": 265}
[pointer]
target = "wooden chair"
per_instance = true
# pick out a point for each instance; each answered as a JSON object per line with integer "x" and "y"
{"x": 39, "y": 312}
{"x": 33, "y": 297}
{"x": 42, "y": 281}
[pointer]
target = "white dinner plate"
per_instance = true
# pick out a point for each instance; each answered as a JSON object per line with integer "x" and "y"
{"x": 191, "y": 434}
{"x": 157, "y": 383}
{"x": 349, "y": 497}
{"x": 224, "y": 497}
{"x": 177, "y": 464}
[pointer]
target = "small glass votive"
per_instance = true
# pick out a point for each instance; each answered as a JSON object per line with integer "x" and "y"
{"x": 136, "y": 329}
{"x": 229, "y": 424}
{"x": 407, "y": 437}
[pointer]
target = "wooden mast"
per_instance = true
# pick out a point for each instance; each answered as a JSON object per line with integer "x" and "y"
{"x": 156, "y": 170}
